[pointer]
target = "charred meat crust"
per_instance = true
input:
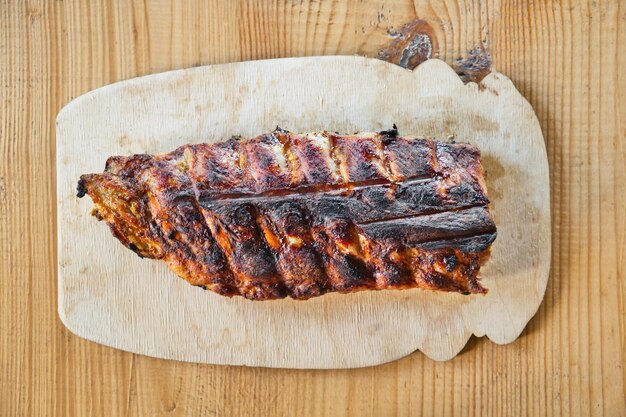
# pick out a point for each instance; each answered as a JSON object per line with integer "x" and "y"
{"x": 286, "y": 215}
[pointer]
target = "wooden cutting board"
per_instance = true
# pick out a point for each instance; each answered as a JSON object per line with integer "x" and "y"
{"x": 109, "y": 295}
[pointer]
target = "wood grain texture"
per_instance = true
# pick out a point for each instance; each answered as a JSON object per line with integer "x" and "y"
{"x": 107, "y": 294}
{"x": 566, "y": 57}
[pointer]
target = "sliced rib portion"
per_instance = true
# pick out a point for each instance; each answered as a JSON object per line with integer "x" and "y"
{"x": 294, "y": 215}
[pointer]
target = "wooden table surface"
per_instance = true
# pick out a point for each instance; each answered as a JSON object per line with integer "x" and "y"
{"x": 567, "y": 57}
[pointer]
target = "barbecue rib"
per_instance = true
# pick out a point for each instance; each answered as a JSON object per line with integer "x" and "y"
{"x": 302, "y": 215}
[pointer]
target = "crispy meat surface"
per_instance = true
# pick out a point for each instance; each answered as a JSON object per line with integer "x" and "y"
{"x": 294, "y": 215}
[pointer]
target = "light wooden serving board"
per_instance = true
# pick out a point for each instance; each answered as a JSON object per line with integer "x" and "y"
{"x": 109, "y": 295}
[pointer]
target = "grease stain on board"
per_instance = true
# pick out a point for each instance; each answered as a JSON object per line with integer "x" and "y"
{"x": 482, "y": 124}
{"x": 494, "y": 171}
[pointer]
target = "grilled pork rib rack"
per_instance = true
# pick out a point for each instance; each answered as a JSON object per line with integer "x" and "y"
{"x": 294, "y": 215}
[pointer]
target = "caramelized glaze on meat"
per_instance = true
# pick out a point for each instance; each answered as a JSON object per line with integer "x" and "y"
{"x": 302, "y": 215}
